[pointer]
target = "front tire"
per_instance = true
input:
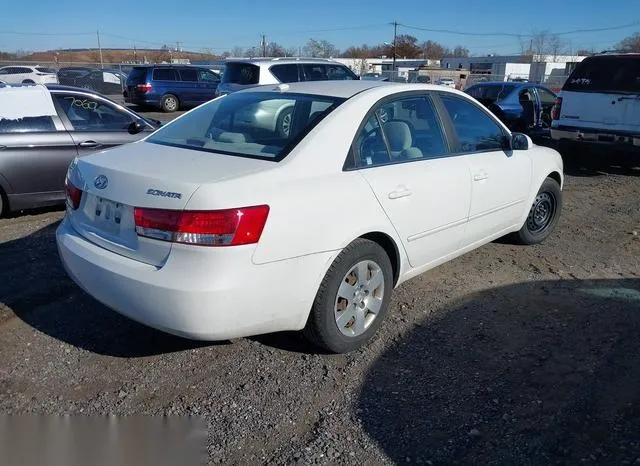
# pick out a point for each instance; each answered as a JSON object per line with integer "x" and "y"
{"x": 283, "y": 124}
{"x": 543, "y": 215}
{"x": 353, "y": 298}
{"x": 169, "y": 103}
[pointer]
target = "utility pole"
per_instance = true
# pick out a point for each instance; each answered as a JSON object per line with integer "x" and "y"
{"x": 395, "y": 33}
{"x": 100, "y": 49}
{"x": 264, "y": 45}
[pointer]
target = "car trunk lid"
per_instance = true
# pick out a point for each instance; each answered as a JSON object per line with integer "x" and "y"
{"x": 146, "y": 175}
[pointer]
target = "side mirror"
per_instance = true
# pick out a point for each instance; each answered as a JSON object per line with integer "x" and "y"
{"x": 520, "y": 141}
{"x": 135, "y": 127}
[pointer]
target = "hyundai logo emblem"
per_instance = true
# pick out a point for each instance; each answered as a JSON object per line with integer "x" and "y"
{"x": 101, "y": 182}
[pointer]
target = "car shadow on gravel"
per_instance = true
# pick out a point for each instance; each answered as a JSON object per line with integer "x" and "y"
{"x": 534, "y": 373}
{"x": 35, "y": 287}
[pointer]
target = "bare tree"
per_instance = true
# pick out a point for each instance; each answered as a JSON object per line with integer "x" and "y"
{"x": 555, "y": 46}
{"x": 237, "y": 51}
{"x": 433, "y": 50}
{"x": 320, "y": 49}
{"x": 630, "y": 44}
{"x": 458, "y": 51}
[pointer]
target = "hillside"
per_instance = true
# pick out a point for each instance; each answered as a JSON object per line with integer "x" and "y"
{"x": 76, "y": 56}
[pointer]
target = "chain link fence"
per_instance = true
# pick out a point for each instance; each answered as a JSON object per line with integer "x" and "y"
{"x": 461, "y": 79}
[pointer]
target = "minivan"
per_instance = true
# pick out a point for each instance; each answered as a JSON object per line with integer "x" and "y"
{"x": 599, "y": 105}
{"x": 170, "y": 87}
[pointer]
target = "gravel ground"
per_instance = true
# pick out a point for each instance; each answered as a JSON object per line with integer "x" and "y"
{"x": 508, "y": 355}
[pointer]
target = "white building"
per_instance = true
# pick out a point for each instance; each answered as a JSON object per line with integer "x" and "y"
{"x": 534, "y": 68}
{"x": 379, "y": 65}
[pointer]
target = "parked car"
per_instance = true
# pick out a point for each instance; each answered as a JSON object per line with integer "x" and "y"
{"x": 309, "y": 231}
{"x": 446, "y": 82}
{"x": 170, "y": 87}
{"x": 28, "y": 75}
{"x": 599, "y": 105}
{"x": 374, "y": 77}
{"x": 422, "y": 78}
{"x": 43, "y": 129}
{"x": 108, "y": 82}
{"x": 243, "y": 73}
{"x": 522, "y": 106}
{"x": 68, "y": 75}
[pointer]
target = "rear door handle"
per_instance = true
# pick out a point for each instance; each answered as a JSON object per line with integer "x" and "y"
{"x": 480, "y": 176}
{"x": 400, "y": 193}
{"x": 89, "y": 144}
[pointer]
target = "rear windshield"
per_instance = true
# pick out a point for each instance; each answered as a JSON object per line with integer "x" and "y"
{"x": 261, "y": 125}
{"x": 241, "y": 73}
{"x": 490, "y": 93}
{"x": 138, "y": 75}
{"x": 606, "y": 74}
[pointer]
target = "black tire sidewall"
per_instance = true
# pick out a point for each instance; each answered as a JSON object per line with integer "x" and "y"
{"x": 163, "y": 103}
{"x": 551, "y": 186}
{"x": 325, "y": 331}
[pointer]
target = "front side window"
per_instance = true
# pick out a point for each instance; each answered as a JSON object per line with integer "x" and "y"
{"x": 546, "y": 97}
{"x": 340, "y": 73}
{"x": 89, "y": 114}
{"x": 286, "y": 73}
{"x": 476, "y": 130}
{"x": 188, "y": 74}
{"x": 208, "y": 76}
{"x": 263, "y": 125}
{"x": 369, "y": 147}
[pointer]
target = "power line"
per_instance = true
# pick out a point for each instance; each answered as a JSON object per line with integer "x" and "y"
{"x": 508, "y": 34}
{"x": 20, "y": 33}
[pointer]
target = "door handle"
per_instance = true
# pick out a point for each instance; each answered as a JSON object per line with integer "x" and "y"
{"x": 480, "y": 176}
{"x": 400, "y": 193}
{"x": 89, "y": 144}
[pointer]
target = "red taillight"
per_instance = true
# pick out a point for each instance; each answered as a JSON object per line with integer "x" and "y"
{"x": 74, "y": 195}
{"x": 555, "y": 111}
{"x": 231, "y": 227}
{"x": 144, "y": 87}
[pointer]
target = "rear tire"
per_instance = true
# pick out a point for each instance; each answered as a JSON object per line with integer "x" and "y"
{"x": 169, "y": 103}
{"x": 353, "y": 298}
{"x": 543, "y": 215}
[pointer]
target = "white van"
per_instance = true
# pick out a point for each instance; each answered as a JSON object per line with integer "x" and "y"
{"x": 600, "y": 104}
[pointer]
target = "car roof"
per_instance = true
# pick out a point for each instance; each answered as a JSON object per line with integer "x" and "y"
{"x": 284, "y": 60}
{"x": 342, "y": 89}
{"x": 25, "y": 101}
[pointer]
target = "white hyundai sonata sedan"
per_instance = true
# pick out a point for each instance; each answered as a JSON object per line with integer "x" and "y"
{"x": 217, "y": 227}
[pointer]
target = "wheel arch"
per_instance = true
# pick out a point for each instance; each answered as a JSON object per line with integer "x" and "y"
{"x": 557, "y": 177}
{"x": 391, "y": 248}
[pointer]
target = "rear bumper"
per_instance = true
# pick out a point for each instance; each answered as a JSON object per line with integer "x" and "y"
{"x": 599, "y": 137}
{"x": 200, "y": 293}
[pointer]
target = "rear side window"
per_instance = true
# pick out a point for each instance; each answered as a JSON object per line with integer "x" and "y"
{"x": 164, "y": 74}
{"x": 27, "y": 125}
{"x": 241, "y": 73}
{"x": 138, "y": 75}
{"x": 606, "y": 74}
{"x": 188, "y": 74}
{"x": 286, "y": 73}
{"x": 41, "y": 69}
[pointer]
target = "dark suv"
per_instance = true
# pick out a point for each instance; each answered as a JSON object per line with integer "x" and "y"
{"x": 170, "y": 87}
